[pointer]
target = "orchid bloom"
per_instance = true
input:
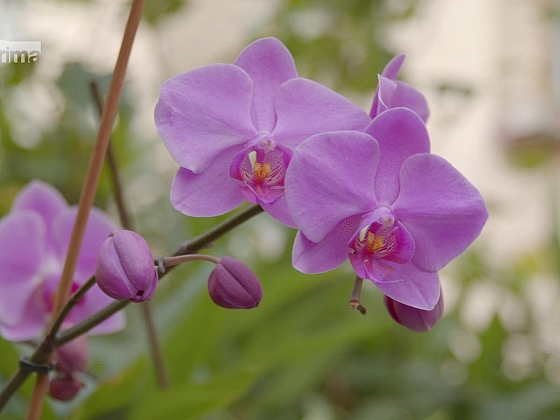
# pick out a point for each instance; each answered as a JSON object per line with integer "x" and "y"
{"x": 232, "y": 129}
{"x": 34, "y": 239}
{"x": 380, "y": 199}
{"x": 392, "y": 93}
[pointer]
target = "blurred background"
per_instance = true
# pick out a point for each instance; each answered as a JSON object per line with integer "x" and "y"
{"x": 490, "y": 70}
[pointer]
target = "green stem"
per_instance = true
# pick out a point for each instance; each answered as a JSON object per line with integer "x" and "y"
{"x": 201, "y": 241}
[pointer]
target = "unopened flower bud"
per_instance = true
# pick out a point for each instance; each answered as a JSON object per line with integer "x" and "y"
{"x": 412, "y": 318}
{"x": 233, "y": 285}
{"x": 64, "y": 388}
{"x": 72, "y": 357}
{"x": 125, "y": 267}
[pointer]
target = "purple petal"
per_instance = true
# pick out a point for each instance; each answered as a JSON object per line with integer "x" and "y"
{"x": 411, "y": 286}
{"x": 203, "y": 112}
{"x": 210, "y": 193}
{"x": 30, "y": 326}
{"x": 408, "y": 97}
{"x": 312, "y": 258}
{"x": 442, "y": 210}
{"x": 400, "y": 134}
{"x": 305, "y": 108}
{"x": 279, "y": 210}
{"x": 98, "y": 228}
{"x": 44, "y": 199}
{"x": 386, "y": 89}
{"x": 392, "y": 69}
{"x": 22, "y": 252}
{"x": 330, "y": 178}
{"x": 390, "y": 72}
{"x": 412, "y": 318}
{"x": 269, "y": 64}
{"x": 94, "y": 301}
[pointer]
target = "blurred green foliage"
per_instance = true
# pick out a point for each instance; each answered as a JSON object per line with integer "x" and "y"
{"x": 303, "y": 354}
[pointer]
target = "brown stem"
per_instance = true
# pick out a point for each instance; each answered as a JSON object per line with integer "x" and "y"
{"x": 88, "y": 191}
{"x": 155, "y": 345}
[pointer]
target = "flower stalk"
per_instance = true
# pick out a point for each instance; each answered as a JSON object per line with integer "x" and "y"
{"x": 89, "y": 189}
{"x": 124, "y": 216}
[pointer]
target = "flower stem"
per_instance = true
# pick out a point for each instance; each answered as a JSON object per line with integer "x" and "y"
{"x": 355, "y": 298}
{"x": 201, "y": 241}
{"x": 155, "y": 345}
{"x": 179, "y": 259}
{"x": 89, "y": 189}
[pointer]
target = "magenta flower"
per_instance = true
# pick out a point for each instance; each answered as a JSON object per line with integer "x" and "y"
{"x": 34, "y": 238}
{"x": 382, "y": 200}
{"x": 232, "y": 128}
{"x": 392, "y": 93}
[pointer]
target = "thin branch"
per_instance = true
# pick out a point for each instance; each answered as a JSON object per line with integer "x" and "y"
{"x": 155, "y": 345}
{"x": 201, "y": 241}
{"x": 89, "y": 189}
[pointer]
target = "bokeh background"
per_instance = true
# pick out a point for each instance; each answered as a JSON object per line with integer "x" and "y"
{"x": 491, "y": 72}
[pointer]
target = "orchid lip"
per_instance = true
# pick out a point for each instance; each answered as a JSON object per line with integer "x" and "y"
{"x": 261, "y": 169}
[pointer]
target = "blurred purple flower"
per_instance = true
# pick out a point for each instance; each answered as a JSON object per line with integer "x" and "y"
{"x": 382, "y": 200}
{"x": 415, "y": 319}
{"x": 73, "y": 356}
{"x": 232, "y": 128}
{"x": 392, "y": 93}
{"x": 64, "y": 388}
{"x": 125, "y": 267}
{"x": 34, "y": 238}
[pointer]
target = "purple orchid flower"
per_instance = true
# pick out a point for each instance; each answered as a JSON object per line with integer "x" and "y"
{"x": 34, "y": 239}
{"x": 232, "y": 128}
{"x": 380, "y": 199}
{"x": 392, "y": 93}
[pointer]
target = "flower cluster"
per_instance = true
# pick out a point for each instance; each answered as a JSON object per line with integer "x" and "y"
{"x": 34, "y": 239}
{"x": 359, "y": 187}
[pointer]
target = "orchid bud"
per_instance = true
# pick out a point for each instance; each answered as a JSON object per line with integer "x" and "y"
{"x": 412, "y": 318}
{"x": 72, "y": 357}
{"x": 125, "y": 267}
{"x": 233, "y": 285}
{"x": 64, "y": 387}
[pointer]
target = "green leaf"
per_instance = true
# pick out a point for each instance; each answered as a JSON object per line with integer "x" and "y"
{"x": 194, "y": 400}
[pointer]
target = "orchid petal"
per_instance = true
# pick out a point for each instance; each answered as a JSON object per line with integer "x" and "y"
{"x": 442, "y": 210}
{"x": 391, "y": 72}
{"x": 279, "y": 210}
{"x": 22, "y": 252}
{"x": 400, "y": 134}
{"x": 98, "y": 228}
{"x": 408, "y": 97}
{"x": 411, "y": 286}
{"x": 31, "y": 325}
{"x": 93, "y": 302}
{"x": 203, "y": 112}
{"x": 305, "y": 108}
{"x": 330, "y": 178}
{"x": 43, "y": 199}
{"x": 393, "y": 67}
{"x": 312, "y": 258}
{"x": 269, "y": 64}
{"x": 210, "y": 193}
